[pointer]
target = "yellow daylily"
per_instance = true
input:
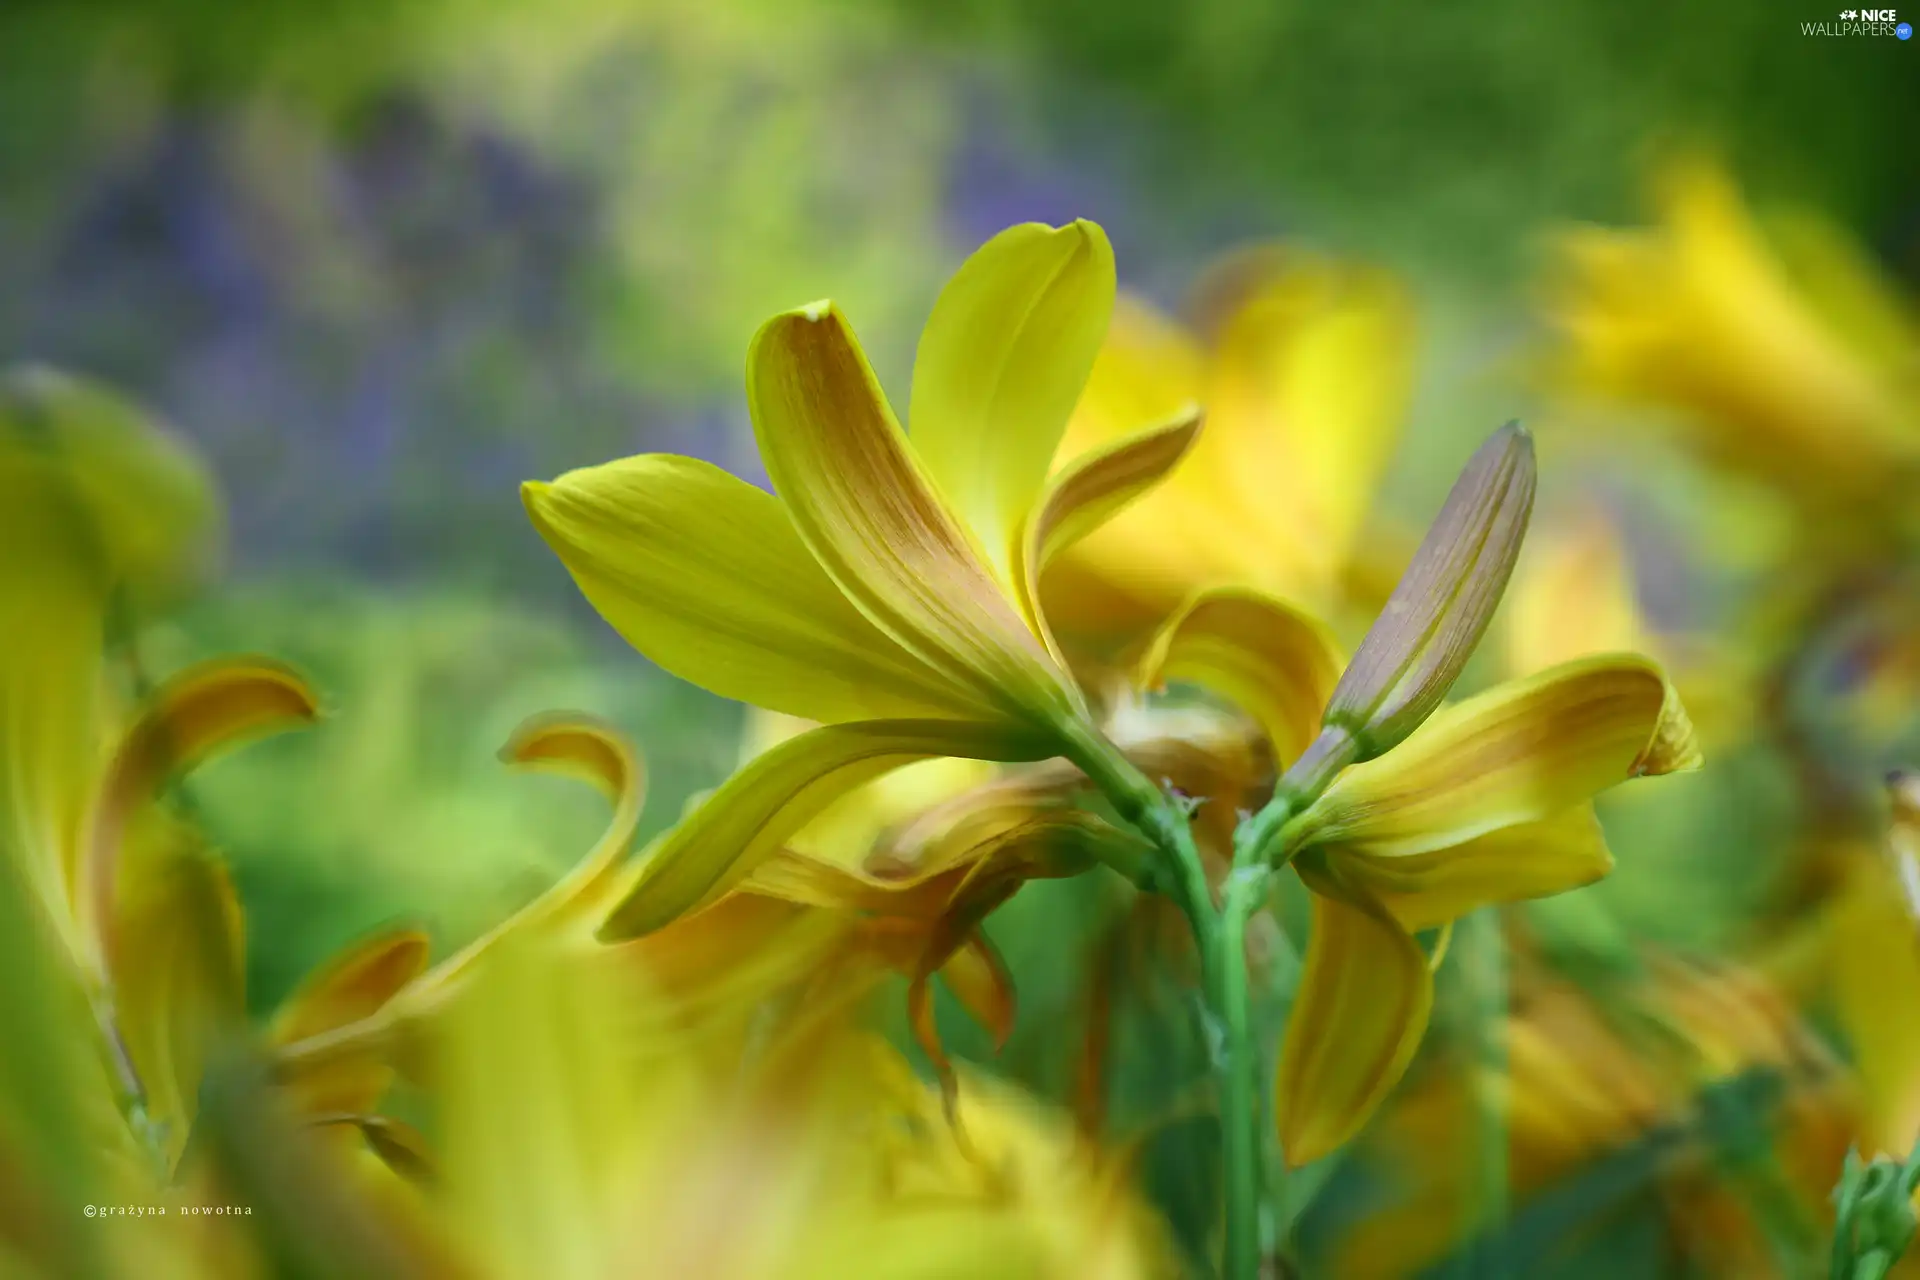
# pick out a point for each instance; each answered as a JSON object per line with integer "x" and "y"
{"x": 1575, "y": 594}
{"x": 581, "y": 1132}
{"x": 1872, "y": 934}
{"x": 888, "y": 591}
{"x": 99, "y": 508}
{"x": 1786, "y": 352}
{"x": 922, "y": 894}
{"x": 130, "y": 920}
{"x": 1581, "y": 1082}
{"x": 1306, "y": 377}
{"x": 1486, "y": 802}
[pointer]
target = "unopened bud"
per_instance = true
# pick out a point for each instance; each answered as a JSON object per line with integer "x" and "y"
{"x": 1903, "y": 834}
{"x": 1442, "y": 604}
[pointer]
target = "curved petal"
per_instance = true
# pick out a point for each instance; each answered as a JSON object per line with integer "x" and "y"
{"x": 1521, "y": 752}
{"x": 354, "y": 985}
{"x": 600, "y": 755}
{"x": 1311, "y": 384}
{"x": 178, "y": 982}
{"x": 97, "y": 506}
{"x": 747, "y": 818}
{"x": 876, "y": 523}
{"x": 1529, "y": 860}
{"x": 950, "y": 935}
{"x": 1090, "y": 491}
{"x": 196, "y": 714}
{"x": 1572, "y": 594}
{"x": 1003, "y": 359}
{"x": 1148, "y": 367}
{"x": 706, "y": 575}
{"x": 977, "y": 975}
{"x": 1365, "y": 994}
{"x": 1273, "y": 661}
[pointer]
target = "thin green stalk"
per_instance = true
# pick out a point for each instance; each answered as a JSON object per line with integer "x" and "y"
{"x": 1480, "y": 956}
{"x": 1219, "y": 935}
{"x": 1241, "y": 1124}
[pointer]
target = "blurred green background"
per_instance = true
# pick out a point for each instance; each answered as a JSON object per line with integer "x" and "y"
{"x": 381, "y": 262}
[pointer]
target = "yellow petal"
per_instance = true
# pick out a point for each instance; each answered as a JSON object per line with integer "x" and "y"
{"x": 1312, "y": 381}
{"x": 1147, "y": 558}
{"x": 1365, "y": 994}
{"x": 1148, "y": 368}
{"x": 953, "y": 934}
{"x": 96, "y": 504}
{"x": 352, "y": 984}
{"x": 355, "y": 984}
{"x": 1271, "y": 660}
{"x": 1521, "y": 752}
{"x": 1002, "y": 361}
{"x": 1874, "y": 971}
{"x": 706, "y": 575}
{"x": 177, "y": 984}
{"x": 1572, "y": 595}
{"x": 875, "y": 522}
{"x": 1090, "y": 491}
{"x": 144, "y": 504}
{"x": 198, "y": 713}
{"x": 539, "y": 1100}
{"x": 744, "y": 821}
{"x": 1704, "y": 315}
{"x": 1529, "y": 860}
{"x": 598, "y": 754}
{"x": 979, "y": 980}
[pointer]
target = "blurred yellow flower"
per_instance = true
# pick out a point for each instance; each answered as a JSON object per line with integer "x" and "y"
{"x": 1581, "y": 1082}
{"x": 583, "y": 1131}
{"x": 98, "y": 508}
{"x": 1783, "y": 349}
{"x": 1306, "y": 376}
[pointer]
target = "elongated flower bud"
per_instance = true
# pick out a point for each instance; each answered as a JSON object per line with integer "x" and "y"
{"x": 1443, "y": 602}
{"x": 1903, "y": 836}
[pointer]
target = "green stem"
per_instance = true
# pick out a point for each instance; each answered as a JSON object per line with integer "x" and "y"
{"x": 1240, "y": 1112}
{"x": 1220, "y": 937}
{"x": 1479, "y": 953}
{"x": 1874, "y": 1266}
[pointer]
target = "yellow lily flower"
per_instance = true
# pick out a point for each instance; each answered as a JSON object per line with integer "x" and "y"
{"x": 1873, "y": 945}
{"x": 714, "y": 971}
{"x": 922, "y": 857}
{"x": 1307, "y": 376}
{"x": 1573, "y": 594}
{"x": 101, "y": 510}
{"x": 582, "y": 1132}
{"x": 98, "y": 507}
{"x": 888, "y": 591}
{"x": 1781, "y": 345}
{"x": 922, "y": 895}
{"x": 1579, "y": 1083}
{"x": 1486, "y": 802}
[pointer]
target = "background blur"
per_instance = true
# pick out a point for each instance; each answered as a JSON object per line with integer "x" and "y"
{"x": 382, "y": 262}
